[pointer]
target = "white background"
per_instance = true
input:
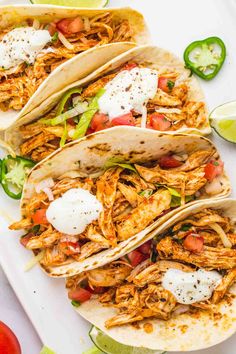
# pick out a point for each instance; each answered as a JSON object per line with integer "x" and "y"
{"x": 173, "y": 24}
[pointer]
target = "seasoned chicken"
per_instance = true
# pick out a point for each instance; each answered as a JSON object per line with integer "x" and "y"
{"x": 225, "y": 284}
{"x": 93, "y": 88}
{"x": 45, "y": 240}
{"x": 162, "y": 98}
{"x": 210, "y": 257}
{"x": 144, "y": 214}
{"x": 109, "y": 276}
{"x": 195, "y": 160}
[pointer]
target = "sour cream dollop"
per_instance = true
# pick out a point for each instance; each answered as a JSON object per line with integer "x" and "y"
{"x": 71, "y": 213}
{"x": 190, "y": 287}
{"x": 128, "y": 91}
{"x": 22, "y": 45}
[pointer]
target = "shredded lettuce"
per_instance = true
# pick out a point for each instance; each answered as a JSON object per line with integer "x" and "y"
{"x": 64, "y": 135}
{"x": 112, "y": 162}
{"x": 146, "y": 193}
{"x": 75, "y": 303}
{"x": 87, "y": 116}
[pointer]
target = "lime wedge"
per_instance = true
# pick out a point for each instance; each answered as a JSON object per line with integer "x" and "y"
{"x": 73, "y": 3}
{"x": 223, "y": 121}
{"x": 46, "y": 350}
{"x": 109, "y": 346}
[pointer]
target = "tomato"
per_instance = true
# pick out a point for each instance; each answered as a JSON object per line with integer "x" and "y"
{"x": 100, "y": 121}
{"x": 80, "y": 295}
{"x": 125, "y": 119}
{"x": 169, "y": 161}
{"x": 159, "y": 122}
{"x": 25, "y": 239}
{"x": 194, "y": 243}
{"x": 9, "y": 344}
{"x": 145, "y": 248}
{"x": 69, "y": 247}
{"x": 213, "y": 169}
{"x": 165, "y": 84}
{"x": 69, "y": 26}
{"x": 96, "y": 289}
{"x": 135, "y": 258}
{"x": 129, "y": 66}
{"x": 71, "y": 121}
{"x": 39, "y": 217}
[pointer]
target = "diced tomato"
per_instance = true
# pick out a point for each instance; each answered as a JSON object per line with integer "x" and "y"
{"x": 135, "y": 258}
{"x": 100, "y": 121}
{"x": 39, "y": 217}
{"x": 165, "y": 84}
{"x": 129, "y": 66}
{"x": 96, "y": 289}
{"x": 159, "y": 122}
{"x": 89, "y": 131}
{"x": 145, "y": 248}
{"x": 125, "y": 119}
{"x": 213, "y": 169}
{"x": 69, "y": 248}
{"x": 69, "y": 26}
{"x": 9, "y": 344}
{"x": 194, "y": 243}
{"x": 169, "y": 161}
{"x": 80, "y": 295}
{"x": 25, "y": 239}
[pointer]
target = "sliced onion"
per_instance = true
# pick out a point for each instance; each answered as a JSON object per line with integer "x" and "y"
{"x": 49, "y": 193}
{"x": 68, "y": 238}
{"x": 36, "y": 24}
{"x": 65, "y": 42}
{"x": 80, "y": 108}
{"x": 33, "y": 261}
{"x": 139, "y": 269}
{"x": 226, "y": 242}
{"x": 168, "y": 110}
{"x": 87, "y": 26}
{"x": 144, "y": 117}
{"x": 180, "y": 309}
{"x": 45, "y": 183}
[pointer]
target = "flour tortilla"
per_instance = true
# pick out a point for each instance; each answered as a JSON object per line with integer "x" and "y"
{"x": 89, "y": 154}
{"x": 79, "y": 66}
{"x": 184, "y": 332}
{"x": 150, "y": 56}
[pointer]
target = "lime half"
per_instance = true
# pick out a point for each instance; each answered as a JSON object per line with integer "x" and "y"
{"x": 46, "y": 350}
{"x": 223, "y": 120}
{"x": 109, "y": 346}
{"x": 73, "y": 3}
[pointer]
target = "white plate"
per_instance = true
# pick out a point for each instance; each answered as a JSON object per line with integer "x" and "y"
{"x": 174, "y": 24}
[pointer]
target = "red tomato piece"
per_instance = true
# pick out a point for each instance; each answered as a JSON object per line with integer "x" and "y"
{"x": 9, "y": 344}
{"x": 76, "y": 25}
{"x": 145, "y": 248}
{"x": 169, "y": 161}
{"x": 213, "y": 169}
{"x": 39, "y": 217}
{"x": 25, "y": 239}
{"x": 125, "y": 119}
{"x": 135, "y": 258}
{"x": 96, "y": 289}
{"x": 71, "y": 121}
{"x": 100, "y": 121}
{"x": 159, "y": 122}
{"x": 194, "y": 243}
{"x": 69, "y": 26}
{"x": 69, "y": 247}
{"x": 129, "y": 66}
{"x": 80, "y": 295}
{"x": 63, "y": 25}
{"x": 165, "y": 84}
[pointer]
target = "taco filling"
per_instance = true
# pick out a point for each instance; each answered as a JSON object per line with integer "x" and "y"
{"x": 73, "y": 217}
{"x": 133, "y": 95}
{"x": 32, "y": 49}
{"x": 190, "y": 267}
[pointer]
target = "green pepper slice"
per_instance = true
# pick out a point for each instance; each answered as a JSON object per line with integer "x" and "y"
{"x": 13, "y": 174}
{"x": 87, "y": 116}
{"x": 206, "y": 57}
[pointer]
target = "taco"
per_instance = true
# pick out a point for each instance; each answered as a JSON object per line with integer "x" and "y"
{"x": 96, "y": 197}
{"x": 40, "y": 47}
{"x": 145, "y": 87}
{"x": 175, "y": 292}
